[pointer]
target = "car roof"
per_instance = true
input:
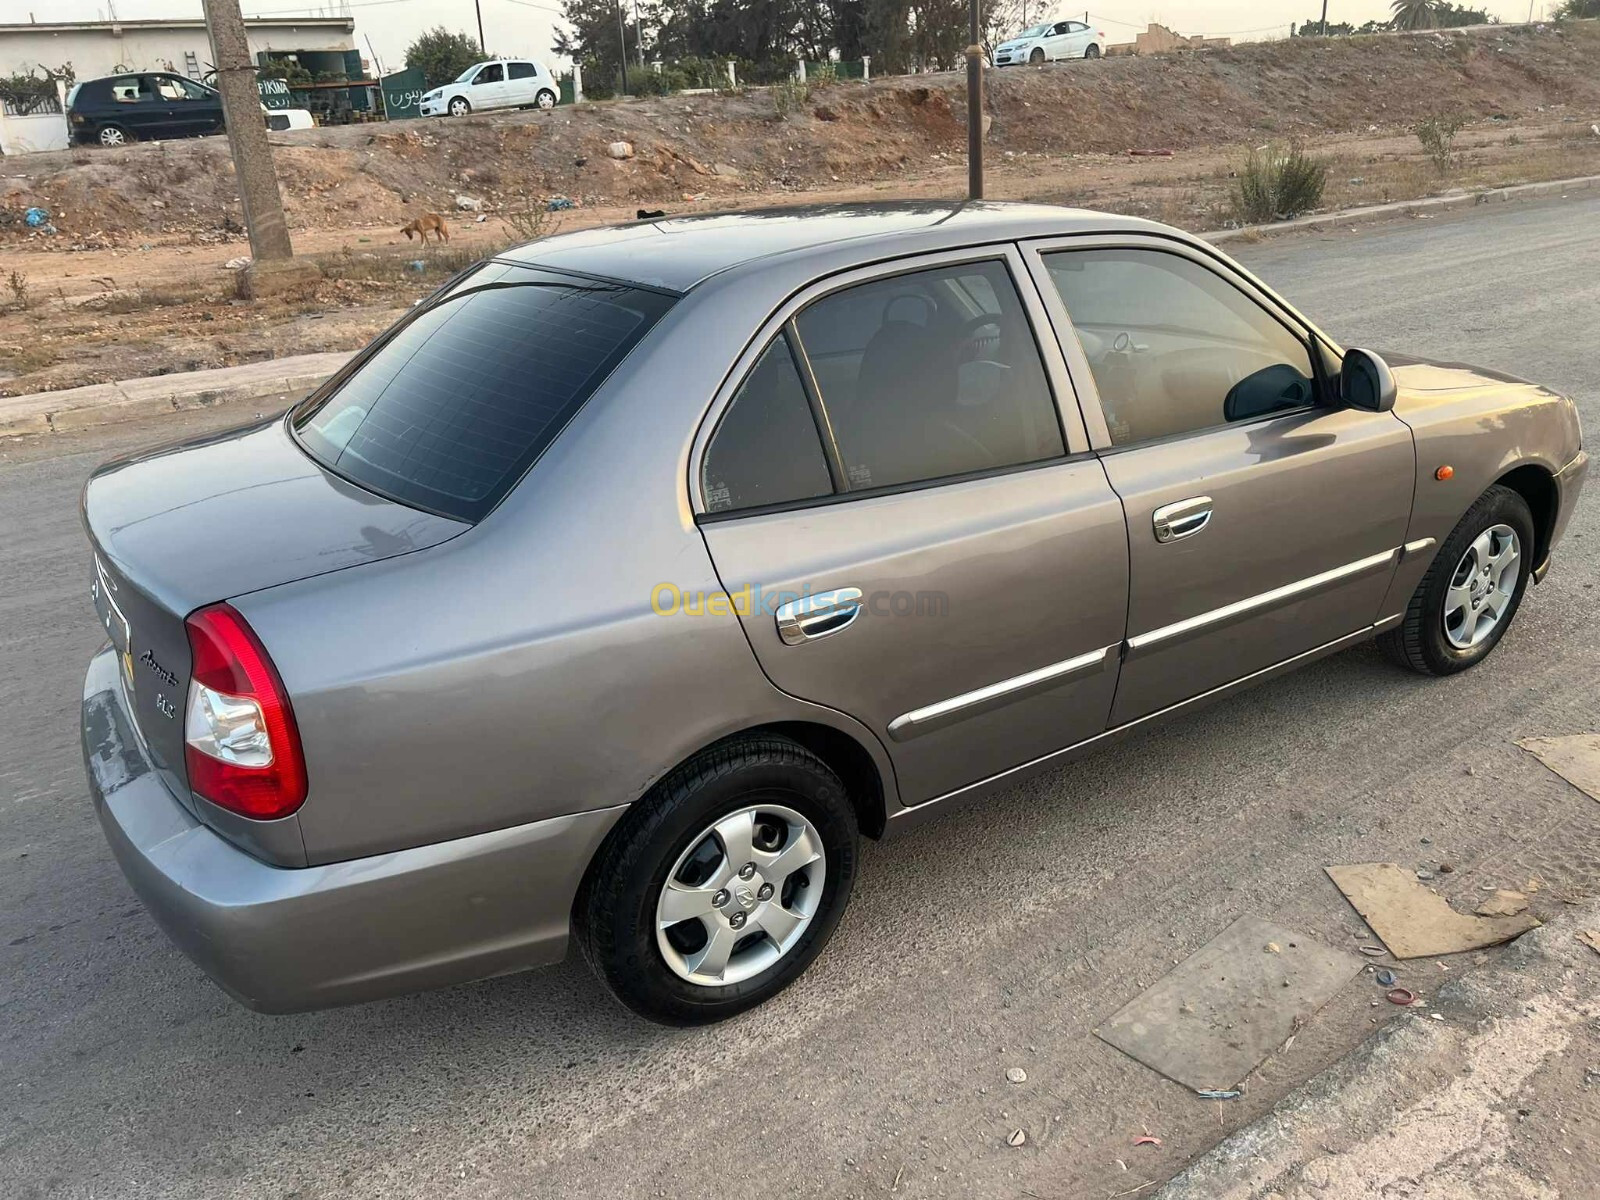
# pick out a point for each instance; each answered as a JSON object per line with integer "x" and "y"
{"x": 676, "y": 253}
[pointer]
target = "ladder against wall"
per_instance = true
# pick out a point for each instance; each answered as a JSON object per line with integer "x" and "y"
{"x": 191, "y": 65}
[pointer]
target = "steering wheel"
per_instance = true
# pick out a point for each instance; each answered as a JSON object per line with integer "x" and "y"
{"x": 967, "y": 335}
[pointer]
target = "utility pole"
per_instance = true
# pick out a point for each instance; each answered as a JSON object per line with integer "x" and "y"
{"x": 272, "y": 267}
{"x": 638, "y": 35}
{"x": 483, "y": 46}
{"x": 975, "y": 108}
{"x": 1324, "y": 30}
{"x": 622, "y": 41}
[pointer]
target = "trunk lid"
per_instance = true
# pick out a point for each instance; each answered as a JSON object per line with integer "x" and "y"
{"x": 207, "y": 520}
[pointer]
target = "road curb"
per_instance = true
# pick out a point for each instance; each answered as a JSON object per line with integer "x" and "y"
{"x": 1426, "y": 206}
{"x": 109, "y": 403}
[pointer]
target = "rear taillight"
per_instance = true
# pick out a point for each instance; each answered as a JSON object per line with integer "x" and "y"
{"x": 240, "y": 741}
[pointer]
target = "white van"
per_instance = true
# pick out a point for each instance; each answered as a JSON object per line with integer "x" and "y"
{"x": 499, "y": 83}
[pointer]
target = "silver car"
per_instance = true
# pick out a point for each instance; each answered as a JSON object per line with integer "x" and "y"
{"x": 621, "y": 587}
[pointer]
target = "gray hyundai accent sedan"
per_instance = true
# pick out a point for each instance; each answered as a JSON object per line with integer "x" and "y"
{"x": 623, "y": 585}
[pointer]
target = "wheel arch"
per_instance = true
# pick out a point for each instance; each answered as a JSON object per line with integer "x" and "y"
{"x": 1536, "y": 485}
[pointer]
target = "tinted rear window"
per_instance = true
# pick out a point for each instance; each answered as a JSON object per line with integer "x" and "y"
{"x": 459, "y": 401}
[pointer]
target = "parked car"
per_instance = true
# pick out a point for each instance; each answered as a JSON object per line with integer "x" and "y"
{"x": 622, "y": 586}
{"x": 501, "y": 83}
{"x": 1050, "y": 42}
{"x": 118, "y": 109}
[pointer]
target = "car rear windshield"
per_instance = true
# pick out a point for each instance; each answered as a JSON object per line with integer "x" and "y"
{"x": 461, "y": 398}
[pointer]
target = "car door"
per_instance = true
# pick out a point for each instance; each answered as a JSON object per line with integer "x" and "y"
{"x": 912, "y": 529}
{"x": 488, "y": 88}
{"x": 189, "y": 109}
{"x": 1055, "y": 42}
{"x": 522, "y": 83}
{"x": 1264, "y": 520}
{"x": 1075, "y": 41}
{"x": 138, "y": 107}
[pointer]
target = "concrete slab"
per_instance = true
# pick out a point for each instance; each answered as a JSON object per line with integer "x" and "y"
{"x": 1212, "y": 1019}
{"x": 1576, "y": 759}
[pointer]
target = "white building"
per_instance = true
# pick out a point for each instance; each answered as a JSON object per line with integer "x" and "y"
{"x": 95, "y": 48}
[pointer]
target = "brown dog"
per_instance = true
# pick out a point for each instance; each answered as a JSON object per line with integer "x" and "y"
{"x": 425, "y": 224}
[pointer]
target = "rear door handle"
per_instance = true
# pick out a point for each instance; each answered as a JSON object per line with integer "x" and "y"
{"x": 1181, "y": 519}
{"x": 817, "y": 615}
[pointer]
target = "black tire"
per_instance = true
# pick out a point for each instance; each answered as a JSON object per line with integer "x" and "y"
{"x": 546, "y": 99}
{"x": 459, "y": 106}
{"x": 113, "y": 135}
{"x": 1036, "y": 57}
{"x": 614, "y": 915}
{"x": 1419, "y": 643}
{"x": 1093, "y": 51}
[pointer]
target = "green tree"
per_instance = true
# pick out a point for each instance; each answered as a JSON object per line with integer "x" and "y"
{"x": 442, "y": 55}
{"x": 1414, "y": 14}
{"x": 1574, "y": 10}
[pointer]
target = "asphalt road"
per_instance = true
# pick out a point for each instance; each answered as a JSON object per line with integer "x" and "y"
{"x": 985, "y": 940}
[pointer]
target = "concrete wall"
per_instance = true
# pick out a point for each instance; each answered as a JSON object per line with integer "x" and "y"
{"x": 1158, "y": 39}
{"x": 25, "y": 135}
{"x": 101, "y": 48}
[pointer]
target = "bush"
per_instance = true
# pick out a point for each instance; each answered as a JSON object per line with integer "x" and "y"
{"x": 1438, "y": 135}
{"x": 1276, "y": 184}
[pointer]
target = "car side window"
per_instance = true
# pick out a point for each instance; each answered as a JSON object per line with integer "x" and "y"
{"x": 930, "y": 374}
{"x": 493, "y": 73}
{"x": 766, "y": 449}
{"x": 1174, "y": 347}
{"x": 522, "y": 70}
{"x": 131, "y": 89}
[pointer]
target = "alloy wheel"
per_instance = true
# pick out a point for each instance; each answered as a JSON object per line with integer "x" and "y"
{"x": 1482, "y": 587}
{"x": 741, "y": 896}
{"x": 112, "y": 136}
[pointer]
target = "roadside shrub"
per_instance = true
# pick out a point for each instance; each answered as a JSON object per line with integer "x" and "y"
{"x": 1438, "y": 135}
{"x": 21, "y": 293}
{"x": 789, "y": 95}
{"x": 1275, "y": 184}
{"x": 531, "y": 223}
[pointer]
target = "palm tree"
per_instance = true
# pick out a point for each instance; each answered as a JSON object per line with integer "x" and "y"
{"x": 1413, "y": 14}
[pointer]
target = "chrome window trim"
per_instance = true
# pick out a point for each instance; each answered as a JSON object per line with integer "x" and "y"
{"x": 946, "y": 712}
{"x": 1075, "y": 436}
{"x": 1251, "y": 605}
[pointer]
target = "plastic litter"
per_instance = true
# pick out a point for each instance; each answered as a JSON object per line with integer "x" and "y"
{"x": 1372, "y": 951}
{"x": 36, "y": 217}
{"x": 559, "y": 204}
{"x": 1386, "y": 978}
{"x": 1147, "y": 1140}
{"x": 1401, "y": 996}
{"x": 1218, "y": 1094}
{"x": 416, "y": 264}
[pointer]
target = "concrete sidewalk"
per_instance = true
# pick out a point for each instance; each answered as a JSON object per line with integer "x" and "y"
{"x": 107, "y": 403}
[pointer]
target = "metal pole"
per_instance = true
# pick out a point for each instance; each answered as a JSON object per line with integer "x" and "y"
{"x": 622, "y": 40}
{"x": 483, "y": 46}
{"x": 975, "y": 108}
{"x": 1324, "y": 30}
{"x": 247, "y": 133}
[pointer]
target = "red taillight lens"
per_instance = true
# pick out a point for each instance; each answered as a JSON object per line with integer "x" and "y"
{"x": 240, "y": 741}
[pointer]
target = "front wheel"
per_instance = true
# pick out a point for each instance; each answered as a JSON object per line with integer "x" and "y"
{"x": 1037, "y": 56}
{"x": 547, "y": 99}
{"x": 459, "y": 107}
{"x": 718, "y": 888}
{"x": 1471, "y": 592}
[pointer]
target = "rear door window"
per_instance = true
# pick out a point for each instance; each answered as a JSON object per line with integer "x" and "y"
{"x": 766, "y": 449}
{"x": 451, "y": 410}
{"x": 521, "y": 70}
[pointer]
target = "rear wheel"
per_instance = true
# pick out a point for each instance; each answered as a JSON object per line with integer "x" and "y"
{"x": 1471, "y": 593}
{"x": 546, "y": 99}
{"x": 459, "y": 107}
{"x": 718, "y": 888}
{"x": 114, "y": 135}
{"x": 1092, "y": 52}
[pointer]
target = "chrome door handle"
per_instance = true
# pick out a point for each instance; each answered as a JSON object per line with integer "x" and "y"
{"x": 817, "y": 615}
{"x": 1182, "y": 519}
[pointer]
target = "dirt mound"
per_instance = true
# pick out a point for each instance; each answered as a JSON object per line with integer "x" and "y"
{"x": 719, "y": 147}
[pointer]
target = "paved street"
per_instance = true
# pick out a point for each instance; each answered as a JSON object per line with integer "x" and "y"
{"x": 985, "y": 940}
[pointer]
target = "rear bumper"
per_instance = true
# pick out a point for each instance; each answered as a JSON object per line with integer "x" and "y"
{"x": 286, "y": 940}
{"x": 1569, "y": 485}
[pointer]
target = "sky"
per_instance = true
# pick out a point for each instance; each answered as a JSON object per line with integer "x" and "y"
{"x": 526, "y": 26}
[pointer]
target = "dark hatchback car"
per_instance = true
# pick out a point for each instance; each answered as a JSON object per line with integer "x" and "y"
{"x": 118, "y": 109}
